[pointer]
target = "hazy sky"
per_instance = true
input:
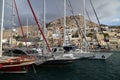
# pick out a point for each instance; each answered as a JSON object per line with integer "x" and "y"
{"x": 107, "y": 10}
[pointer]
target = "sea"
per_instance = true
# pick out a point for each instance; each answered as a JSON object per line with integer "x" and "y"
{"x": 80, "y": 70}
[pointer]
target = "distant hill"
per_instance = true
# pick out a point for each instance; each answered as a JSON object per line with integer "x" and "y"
{"x": 70, "y": 22}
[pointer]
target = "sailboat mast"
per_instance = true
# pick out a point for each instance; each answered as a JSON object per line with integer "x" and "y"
{"x": 24, "y": 37}
{"x": 98, "y": 21}
{"x": 84, "y": 19}
{"x": 12, "y": 23}
{"x": 64, "y": 22}
{"x": 2, "y": 22}
{"x": 44, "y": 25}
{"x": 39, "y": 26}
{"x": 27, "y": 27}
{"x": 85, "y": 43}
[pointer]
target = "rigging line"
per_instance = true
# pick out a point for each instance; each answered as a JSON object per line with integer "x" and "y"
{"x": 92, "y": 25}
{"x": 80, "y": 31}
{"x": 34, "y": 69}
{"x": 21, "y": 25}
{"x": 89, "y": 17}
{"x": 59, "y": 19}
{"x": 57, "y": 9}
{"x": 39, "y": 26}
{"x": 98, "y": 21}
{"x": 95, "y": 12}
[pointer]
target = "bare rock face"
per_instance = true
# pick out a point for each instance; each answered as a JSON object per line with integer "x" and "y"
{"x": 70, "y": 21}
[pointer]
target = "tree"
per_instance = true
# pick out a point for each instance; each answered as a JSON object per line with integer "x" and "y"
{"x": 106, "y": 35}
{"x": 20, "y": 44}
{"x": 17, "y": 37}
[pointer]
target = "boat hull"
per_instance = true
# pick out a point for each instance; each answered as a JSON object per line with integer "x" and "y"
{"x": 15, "y": 69}
{"x": 15, "y": 64}
{"x": 58, "y": 62}
{"x": 94, "y": 55}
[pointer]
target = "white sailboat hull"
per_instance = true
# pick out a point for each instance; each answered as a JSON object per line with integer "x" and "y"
{"x": 93, "y": 55}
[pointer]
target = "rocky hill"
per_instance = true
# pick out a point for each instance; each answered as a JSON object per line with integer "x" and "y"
{"x": 70, "y": 22}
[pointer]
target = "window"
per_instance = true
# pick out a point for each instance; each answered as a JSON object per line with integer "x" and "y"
{"x": 19, "y": 52}
{"x": 33, "y": 51}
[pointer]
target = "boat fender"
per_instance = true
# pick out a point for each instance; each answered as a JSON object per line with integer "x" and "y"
{"x": 32, "y": 57}
{"x": 93, "y": 55}
{"x": 103, "y": 56}
{"x": 10, "y": 60}
{"x": 23, "y": 57}
{"x": 17, "y": 60}
{"x": 64, "y": 51}
{"x": 1, "y": 65}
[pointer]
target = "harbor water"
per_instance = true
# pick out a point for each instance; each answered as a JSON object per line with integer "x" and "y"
{"x": 80, "y": 70}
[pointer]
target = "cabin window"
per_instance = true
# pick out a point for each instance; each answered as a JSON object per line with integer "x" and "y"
{"x": 18, "y": 52}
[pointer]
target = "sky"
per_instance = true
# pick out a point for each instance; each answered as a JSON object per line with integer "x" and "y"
{"x": 107, "y": 10}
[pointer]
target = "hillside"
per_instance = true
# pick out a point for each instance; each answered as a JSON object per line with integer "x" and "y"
{"x": 70, "y": 21}
{"x": 33, "y": 30}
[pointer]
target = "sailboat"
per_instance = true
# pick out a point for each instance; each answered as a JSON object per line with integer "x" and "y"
{"x": 56, "y": 59}
{"x": 64, "y": 51}
{"x": 12, "y": 64}
{"x": 86, "y": 54}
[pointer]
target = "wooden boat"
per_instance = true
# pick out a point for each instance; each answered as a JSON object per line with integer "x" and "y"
{"x": 12, "y": 64}
{"x": 15, "y": 64}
